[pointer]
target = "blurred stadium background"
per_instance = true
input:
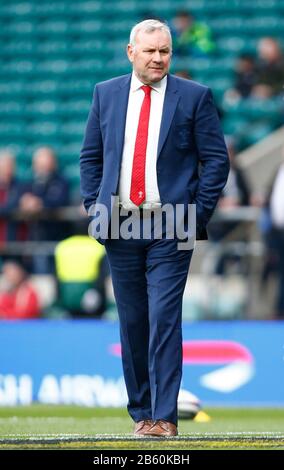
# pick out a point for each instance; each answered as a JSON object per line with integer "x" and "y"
{"x": 65, "y": 349}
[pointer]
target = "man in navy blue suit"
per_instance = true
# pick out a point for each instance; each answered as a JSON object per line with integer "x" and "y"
{"x": 152, "y": 140}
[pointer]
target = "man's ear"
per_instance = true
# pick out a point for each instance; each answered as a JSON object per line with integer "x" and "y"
{"x": 129, "y": 51}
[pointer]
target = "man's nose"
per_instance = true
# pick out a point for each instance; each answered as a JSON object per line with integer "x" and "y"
{"x": 157, "y": 56}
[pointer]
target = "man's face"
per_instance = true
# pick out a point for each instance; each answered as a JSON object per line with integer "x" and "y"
{"x": 44, "y": 162}
{"x": 151, "y": 56}
{"x": 7, "y": 169}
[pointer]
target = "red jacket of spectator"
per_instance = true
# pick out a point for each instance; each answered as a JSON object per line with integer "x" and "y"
{"x": 21, "y": 303}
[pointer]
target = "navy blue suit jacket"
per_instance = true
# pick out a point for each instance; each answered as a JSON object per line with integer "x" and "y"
{"x": 192, "y": 161}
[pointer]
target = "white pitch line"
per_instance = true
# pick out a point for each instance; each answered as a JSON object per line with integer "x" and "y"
{"x": 194, "y": 434}
{"x": 129, "y": 437}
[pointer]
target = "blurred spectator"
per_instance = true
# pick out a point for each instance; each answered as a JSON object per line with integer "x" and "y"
{"x": 269, "y": 69}
{"x": 10, "y": 193}
{"x": 260, "y": 78}
{"x": 81, "y": 270}
{"x": 18, "y": 298}
{"x": 236, "y": 193}
{"x": 191, "y": 38}
{"x": 47, "y": 190}
{"x": 273, "y": 231}
{"x": 246, "y": 76}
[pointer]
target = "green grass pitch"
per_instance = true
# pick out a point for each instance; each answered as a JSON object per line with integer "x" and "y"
{"x": 69, "y": 427}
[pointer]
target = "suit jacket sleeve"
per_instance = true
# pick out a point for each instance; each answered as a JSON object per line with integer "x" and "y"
{"x": 213, "y": 158}
{"x": 91, "y": 157}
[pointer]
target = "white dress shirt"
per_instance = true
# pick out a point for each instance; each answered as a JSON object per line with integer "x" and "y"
{"x": 136, "y": 96}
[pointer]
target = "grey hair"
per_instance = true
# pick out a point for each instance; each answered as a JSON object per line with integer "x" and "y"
{"x": 148, "y": 26}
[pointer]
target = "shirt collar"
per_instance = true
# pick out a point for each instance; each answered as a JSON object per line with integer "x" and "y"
{"x": 160, "y": 86}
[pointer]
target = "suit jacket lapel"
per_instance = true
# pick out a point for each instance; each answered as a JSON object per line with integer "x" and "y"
{"x": 170, "y": 104}
{"x": 120, "y": 110}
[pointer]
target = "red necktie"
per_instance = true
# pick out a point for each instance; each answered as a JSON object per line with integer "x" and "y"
{"x": 137, "y": 189}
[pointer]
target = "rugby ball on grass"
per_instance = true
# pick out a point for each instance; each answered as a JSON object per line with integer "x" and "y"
{"x": 188, "y": 405}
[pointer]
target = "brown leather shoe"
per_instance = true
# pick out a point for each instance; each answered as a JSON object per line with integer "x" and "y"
{"x": 162, "y": 428}
{"x": 142, "y": 426}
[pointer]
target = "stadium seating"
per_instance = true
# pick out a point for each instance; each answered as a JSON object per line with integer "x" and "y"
{"x": 53, "y": 52}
